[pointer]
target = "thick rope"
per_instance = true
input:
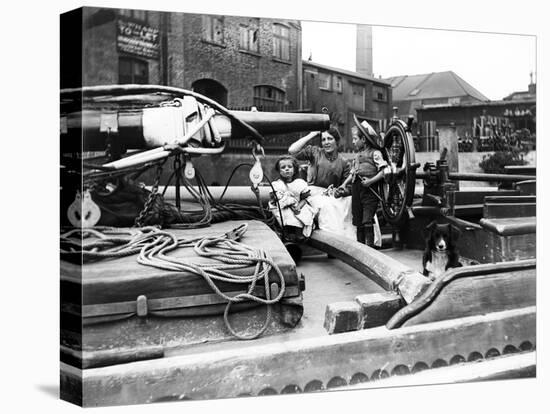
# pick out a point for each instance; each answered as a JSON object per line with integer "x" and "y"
{"x": 153, "y": 245}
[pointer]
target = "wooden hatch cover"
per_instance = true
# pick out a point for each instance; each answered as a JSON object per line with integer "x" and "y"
{"x": 129, "y": 308}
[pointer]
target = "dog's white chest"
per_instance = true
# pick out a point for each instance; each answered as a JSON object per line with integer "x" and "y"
{"x": 437, "y": 265}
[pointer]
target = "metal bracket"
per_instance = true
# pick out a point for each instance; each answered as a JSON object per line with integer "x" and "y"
{"x": 141, "y": 306}
{"x": 108, "y": 122}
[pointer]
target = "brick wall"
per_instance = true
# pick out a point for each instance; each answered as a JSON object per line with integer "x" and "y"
{"x": 100, "y": 54}
{"x": 339, "y": 104}
{"x": 236, "y": 70}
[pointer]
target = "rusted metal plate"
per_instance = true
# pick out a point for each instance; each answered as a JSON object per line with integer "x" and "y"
{"x": 310, "y": 364}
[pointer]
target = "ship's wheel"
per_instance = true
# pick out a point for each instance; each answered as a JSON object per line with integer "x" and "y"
{"x": 396, "y": 191}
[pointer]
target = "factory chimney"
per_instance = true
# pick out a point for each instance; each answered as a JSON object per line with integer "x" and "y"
{"x": 363, "y": 55}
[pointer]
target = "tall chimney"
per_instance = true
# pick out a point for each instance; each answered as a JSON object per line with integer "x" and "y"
{"x": 363, "y": 55}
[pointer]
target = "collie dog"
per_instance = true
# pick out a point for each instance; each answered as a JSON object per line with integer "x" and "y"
{"x": 441, "y": 252}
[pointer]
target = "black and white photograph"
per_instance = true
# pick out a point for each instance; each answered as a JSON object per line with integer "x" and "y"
{"x": 291, "y": 208}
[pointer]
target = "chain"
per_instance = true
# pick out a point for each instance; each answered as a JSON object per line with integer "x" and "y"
{"x": 140, "y": 219}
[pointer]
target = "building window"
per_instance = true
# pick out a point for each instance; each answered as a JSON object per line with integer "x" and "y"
{"x": 131, "y": 70}
{"x": 140, "y": 15}
{"x": 358, "y": 96}
{"x": 337, "y": 82}
{"x": 454, "y": 100}
{"x": 324, "y": 81}
{"x": 380, "y": 93}
{"x": 213, "y": 29}
{"x": 248, "y": 38}
{"x": 281, "y": 42}
{"x": 269, "y": 98}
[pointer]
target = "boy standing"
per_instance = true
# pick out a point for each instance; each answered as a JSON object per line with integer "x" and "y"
{"x": 368, "y": 168}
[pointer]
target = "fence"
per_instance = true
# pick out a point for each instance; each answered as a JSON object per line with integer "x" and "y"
{"x": 426, "y": 144}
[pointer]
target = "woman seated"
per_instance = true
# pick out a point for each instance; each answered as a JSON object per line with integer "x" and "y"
{"x": 289, "y": 202}
{"x": 327, "y": 171}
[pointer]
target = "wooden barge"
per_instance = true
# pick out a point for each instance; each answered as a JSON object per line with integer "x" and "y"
{"x": 357, "y": 317}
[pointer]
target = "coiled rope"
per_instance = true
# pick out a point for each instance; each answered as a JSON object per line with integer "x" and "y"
{"x": 153, "y": 245}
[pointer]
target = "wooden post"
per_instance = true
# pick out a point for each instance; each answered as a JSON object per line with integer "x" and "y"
{"x": 449, "y": 139}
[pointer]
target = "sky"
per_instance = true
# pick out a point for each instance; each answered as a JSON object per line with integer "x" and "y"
{"x": 494, "y": 64}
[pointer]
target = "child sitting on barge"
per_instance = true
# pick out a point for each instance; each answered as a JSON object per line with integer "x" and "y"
{"x": 291, "y": 194}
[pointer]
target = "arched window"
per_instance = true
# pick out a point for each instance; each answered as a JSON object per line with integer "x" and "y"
{"x": 269, "y": 98}
{"x": 211, "y": 89}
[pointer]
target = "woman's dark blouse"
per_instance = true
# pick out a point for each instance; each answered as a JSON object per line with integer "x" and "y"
{"x": 324, "y": 172}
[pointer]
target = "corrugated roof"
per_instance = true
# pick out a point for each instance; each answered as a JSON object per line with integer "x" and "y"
{"x": 345, "y": 72}
{"x": 432, "y": 85}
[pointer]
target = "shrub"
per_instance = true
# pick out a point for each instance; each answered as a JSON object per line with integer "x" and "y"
{"x": 494, "y": 164}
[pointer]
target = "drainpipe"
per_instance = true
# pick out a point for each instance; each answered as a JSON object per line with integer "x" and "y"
{"x": 164, "y": 46}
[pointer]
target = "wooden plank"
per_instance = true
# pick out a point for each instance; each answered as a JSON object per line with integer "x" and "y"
{"x": 478, "y": 295}
{"x": 510, "y": 226}
{"x": 296, "y": 365}
{"x": 128, "y": 338}
{"x": 511, "y": 199}
{"x": 472, "y": 290}
{"x": 528, "y": 187}
{"x": 468, "y": 210}
{"x": 520, "y": 169}
{"x": 514, "y": 247}
{"x": 154, "y": 306}
{"x": 380, "y": 268}
{"x": 477, "y": 197}
{"x": 509, "y": 210}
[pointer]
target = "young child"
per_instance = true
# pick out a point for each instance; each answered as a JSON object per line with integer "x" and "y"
{"x": 367, "y": 169}
{"x": 292, "y": 194}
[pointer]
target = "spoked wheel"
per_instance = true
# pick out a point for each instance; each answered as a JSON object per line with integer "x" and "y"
{"x": 397, "y": 189}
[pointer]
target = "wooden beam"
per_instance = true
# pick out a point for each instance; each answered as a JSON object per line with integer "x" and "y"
{"x": 472, "y": 290}
{"x": 508, "y": 210}
{"x": 510, "y": 226}
{"x": 477, "y": 197}
{"x": 378, "y": 308}
{"x": 380, "y": 268}
{"x": 298, "y": 365}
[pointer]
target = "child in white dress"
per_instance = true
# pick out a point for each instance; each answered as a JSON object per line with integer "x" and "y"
{"x": 291, "y": 194}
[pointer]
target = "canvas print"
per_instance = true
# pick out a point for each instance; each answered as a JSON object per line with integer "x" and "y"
{"x": 255, "y": 206}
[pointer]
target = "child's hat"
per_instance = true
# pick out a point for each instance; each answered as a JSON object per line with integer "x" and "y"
{"x": 369, "y": 132}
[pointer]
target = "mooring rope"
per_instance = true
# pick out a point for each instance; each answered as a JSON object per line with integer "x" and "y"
{"x": 153, "y": 245}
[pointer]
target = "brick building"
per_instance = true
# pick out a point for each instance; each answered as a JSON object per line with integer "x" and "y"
{"x": 345, "y": 93}
{"x": 238, "y": 61}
